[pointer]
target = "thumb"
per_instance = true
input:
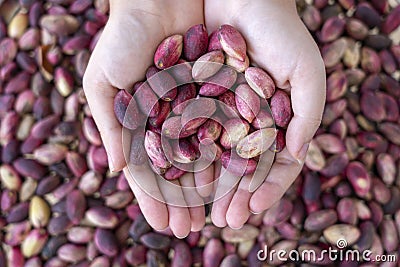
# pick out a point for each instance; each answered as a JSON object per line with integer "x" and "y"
{"x": 100, "y": 97}
{"x": 308, "y": 95}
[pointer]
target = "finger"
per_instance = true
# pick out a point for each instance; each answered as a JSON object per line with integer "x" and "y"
{"x": 308, "y": 95}
{"x": 198, "y": 218}
{"x": 282, "y": 174}
{"x": 194, "y": 201}
{"x": 217, "y": 174}
{"x": 100, "y": 97}
{"x": 263, "y": 167}
{"x": 204, "y": 179}
{"x": 224, "y": 193}
{"x": 217, "y": 169}
{"x": 238, "y": 212}
{"x": 179, "y": 216}
{"x": 154, "y": 210}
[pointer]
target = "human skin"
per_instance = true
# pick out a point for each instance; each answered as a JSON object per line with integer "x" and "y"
{"x": 121, "y": 57}
{"x": 277, "y": 41}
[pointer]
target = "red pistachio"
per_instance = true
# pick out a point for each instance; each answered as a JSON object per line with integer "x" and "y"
{"x": 168, "y": 52}
{"x": 359, "y": 178}
{"x": 195, "y": 42}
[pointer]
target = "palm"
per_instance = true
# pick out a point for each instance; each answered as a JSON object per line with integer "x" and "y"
{"x": 282, "y": 46}
{"x": 277, "y": 42}
{"x": 120, "y": 59}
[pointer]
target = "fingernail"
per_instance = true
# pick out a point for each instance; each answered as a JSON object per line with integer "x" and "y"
{"x": 111, "y": 164}
{"x": 165, "y": 229}
{"x": 181, "y": 237}
{"x": 301, "y": 155}
{"x": 255, "y": 213}
{"x": 236, "y": 228}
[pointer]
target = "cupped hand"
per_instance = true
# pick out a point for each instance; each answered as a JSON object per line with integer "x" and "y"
{"x": 278, "y": 42}
{"x": 121, "y": 57}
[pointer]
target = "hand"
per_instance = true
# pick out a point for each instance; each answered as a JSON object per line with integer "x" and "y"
{"x": 278, "y": 42}
{"x": 121, "y": 57}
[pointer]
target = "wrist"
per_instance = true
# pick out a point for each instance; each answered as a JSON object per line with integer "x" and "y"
{"x": 270, "y": 6}
{"x": 122, "y": 7}
{"x": 174, "y": 16}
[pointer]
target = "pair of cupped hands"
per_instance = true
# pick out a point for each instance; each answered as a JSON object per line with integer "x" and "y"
{"x": 277, "y": 41}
